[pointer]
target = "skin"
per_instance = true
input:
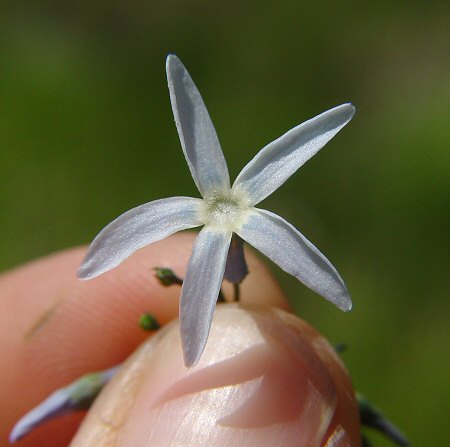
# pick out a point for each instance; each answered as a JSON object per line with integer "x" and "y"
{"x": 250, "y": 387}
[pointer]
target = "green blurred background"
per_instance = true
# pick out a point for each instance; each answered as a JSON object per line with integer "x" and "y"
{"x": 86, "y": 132}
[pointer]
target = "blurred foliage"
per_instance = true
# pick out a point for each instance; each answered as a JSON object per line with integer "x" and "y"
{"x": 86, "y": 132}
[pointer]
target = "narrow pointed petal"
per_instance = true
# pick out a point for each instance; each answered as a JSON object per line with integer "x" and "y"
{"x": 137, "y": 228}
{"x": 287, "y": 247}
{"x": 277, "y": 161}
{"x": 198, "y": 137}
{"x": 78, "y": 395}
{"x": 55, "y": 405}
{"x": 200, "y": 290}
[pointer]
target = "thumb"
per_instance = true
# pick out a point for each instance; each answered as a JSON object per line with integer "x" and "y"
{"x": 265, "y": 378}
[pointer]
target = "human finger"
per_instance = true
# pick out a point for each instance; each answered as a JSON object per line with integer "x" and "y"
{"x": 265, "y": 378}
{"x": 55, "y": 328}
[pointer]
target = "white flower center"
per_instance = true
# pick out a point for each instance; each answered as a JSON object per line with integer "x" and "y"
{"x": 225, "y": 210}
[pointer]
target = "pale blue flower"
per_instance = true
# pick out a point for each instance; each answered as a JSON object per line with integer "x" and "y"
{"x": 224, "y": 210}
{"x": 79, "y": 395}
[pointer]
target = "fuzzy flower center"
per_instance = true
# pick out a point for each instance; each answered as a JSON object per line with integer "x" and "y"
{"x": 225, "y": 210}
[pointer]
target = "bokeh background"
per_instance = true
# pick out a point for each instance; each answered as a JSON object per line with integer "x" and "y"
{"x": 86, "y": 132}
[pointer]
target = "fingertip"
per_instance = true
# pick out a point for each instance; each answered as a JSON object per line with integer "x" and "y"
{"x": 55, "y": 328}
{"x": 259, "y": 382}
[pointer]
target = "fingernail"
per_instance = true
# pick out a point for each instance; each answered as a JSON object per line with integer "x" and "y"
{"x": 259, "y": 382}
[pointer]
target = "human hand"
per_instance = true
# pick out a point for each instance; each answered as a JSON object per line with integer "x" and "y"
{"x": 265, "y": 378}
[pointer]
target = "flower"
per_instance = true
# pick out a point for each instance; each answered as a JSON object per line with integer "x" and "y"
{"x": 224, "y": 210}
{"x": 79, "y": 395}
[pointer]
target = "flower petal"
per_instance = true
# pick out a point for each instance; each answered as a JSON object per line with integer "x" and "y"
{"x": 56, "y": 404}
{"x": 287, "y": 247}
{"x": 137, "y": 228}
{"x": 200, "y": 290}
{"x": 198, "y": 137}
{"x": 77, "y": 396}
{"x": 277, "y": 161}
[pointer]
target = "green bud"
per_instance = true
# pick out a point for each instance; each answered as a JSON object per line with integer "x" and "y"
{"x": 148, "y": 322}
{"x": 167, "y": 277}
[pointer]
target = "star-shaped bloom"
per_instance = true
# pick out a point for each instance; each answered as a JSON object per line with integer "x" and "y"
{"x": 224, "y": 210}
